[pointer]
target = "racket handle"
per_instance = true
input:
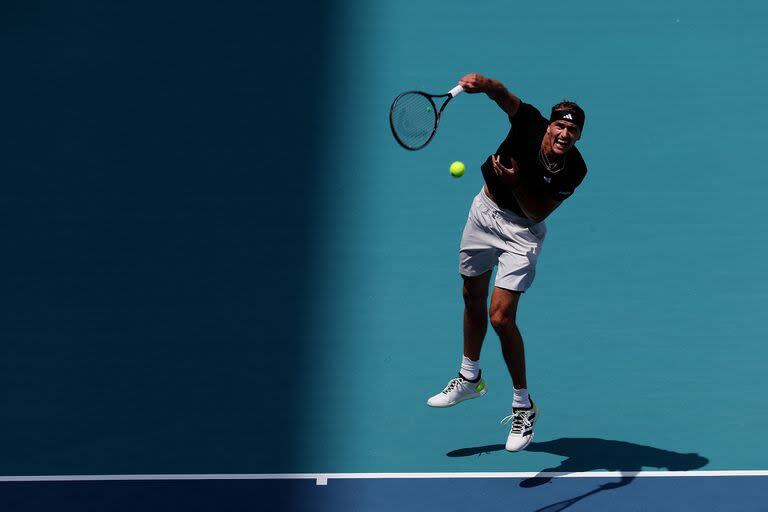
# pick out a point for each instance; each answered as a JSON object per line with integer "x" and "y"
{"x": 456, "y": 91}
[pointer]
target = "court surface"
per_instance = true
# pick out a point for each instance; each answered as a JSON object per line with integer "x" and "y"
{"x": 218, "y": 261}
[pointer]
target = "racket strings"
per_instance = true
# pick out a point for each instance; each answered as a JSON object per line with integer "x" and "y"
{"x": 414, "y": 119}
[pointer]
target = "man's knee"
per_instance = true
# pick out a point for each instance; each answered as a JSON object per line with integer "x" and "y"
{"x": 502, "y": 320}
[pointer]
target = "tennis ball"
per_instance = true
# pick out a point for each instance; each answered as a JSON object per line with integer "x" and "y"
{"x": 457, "y": 169}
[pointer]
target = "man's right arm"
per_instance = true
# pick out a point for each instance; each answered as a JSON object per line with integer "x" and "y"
{"x": 474, "y": 83}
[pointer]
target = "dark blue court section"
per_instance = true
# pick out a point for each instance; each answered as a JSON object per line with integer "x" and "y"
{"x": 150, "y": 232}
{"x": 720, "y": 494}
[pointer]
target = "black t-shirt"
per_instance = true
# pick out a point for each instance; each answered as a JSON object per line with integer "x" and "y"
{"x": 523, "y": 143}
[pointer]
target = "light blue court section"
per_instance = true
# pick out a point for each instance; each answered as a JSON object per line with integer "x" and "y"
{"x": 645, "y": 324}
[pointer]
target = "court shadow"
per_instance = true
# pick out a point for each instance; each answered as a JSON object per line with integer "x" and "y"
{"x": 592, "y": 454}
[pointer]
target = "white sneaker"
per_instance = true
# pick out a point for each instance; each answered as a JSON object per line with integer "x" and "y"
{"x": 521, "y": 432}
{"x": 458, "y": 390}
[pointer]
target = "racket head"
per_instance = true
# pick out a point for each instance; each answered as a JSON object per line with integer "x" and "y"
{"x": 413, "y": 119}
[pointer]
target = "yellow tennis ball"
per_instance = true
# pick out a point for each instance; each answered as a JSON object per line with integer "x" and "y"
{"x": 457, "y": 169}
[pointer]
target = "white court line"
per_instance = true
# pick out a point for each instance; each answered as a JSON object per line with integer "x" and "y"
{"x": 322, "y": 478}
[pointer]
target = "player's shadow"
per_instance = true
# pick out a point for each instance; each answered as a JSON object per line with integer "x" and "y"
{"x": 591, "y": 454}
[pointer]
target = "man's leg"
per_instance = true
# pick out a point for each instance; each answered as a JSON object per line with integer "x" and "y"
{"x": 478, "y": 254}
{"x": 503, "y": 319}
{"x": 469, "y": 383}
{"x": 524, "y": 411}
{"x": 475, "y": 293}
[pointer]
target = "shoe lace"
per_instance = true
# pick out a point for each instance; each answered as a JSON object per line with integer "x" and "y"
{"x": 519, "y": 421}
{"x": 452, "y": 384}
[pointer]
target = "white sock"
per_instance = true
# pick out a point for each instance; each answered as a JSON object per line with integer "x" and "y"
{"x": 470, "y": 369}
{"x": 521, "y": 398}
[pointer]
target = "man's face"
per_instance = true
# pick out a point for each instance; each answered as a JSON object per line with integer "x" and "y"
{"x": 564, "y": 135}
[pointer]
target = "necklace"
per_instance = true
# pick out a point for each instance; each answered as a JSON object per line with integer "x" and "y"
{"x": 552, "y": 167}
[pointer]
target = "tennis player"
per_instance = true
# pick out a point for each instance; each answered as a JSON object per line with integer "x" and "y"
{"x": 533, "y": 171}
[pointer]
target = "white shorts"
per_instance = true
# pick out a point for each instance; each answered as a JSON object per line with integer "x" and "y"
{"x": 493, "y": 235}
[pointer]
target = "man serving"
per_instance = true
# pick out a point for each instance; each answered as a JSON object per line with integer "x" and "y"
{"x": 534, "y": 170}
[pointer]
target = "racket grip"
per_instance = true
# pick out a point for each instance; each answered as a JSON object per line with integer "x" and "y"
{"x": 456, "y": 91}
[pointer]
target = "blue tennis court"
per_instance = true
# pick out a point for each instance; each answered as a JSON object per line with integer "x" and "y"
{"x": 227, "y": 286}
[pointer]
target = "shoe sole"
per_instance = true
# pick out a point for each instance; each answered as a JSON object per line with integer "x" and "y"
{"x": 535, "y": 419}
{"x": 476, "y": 395}
{"x": 522, "y": 448}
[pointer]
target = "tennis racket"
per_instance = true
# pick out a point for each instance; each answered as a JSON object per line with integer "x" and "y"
{"x": 413, "y": 117}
